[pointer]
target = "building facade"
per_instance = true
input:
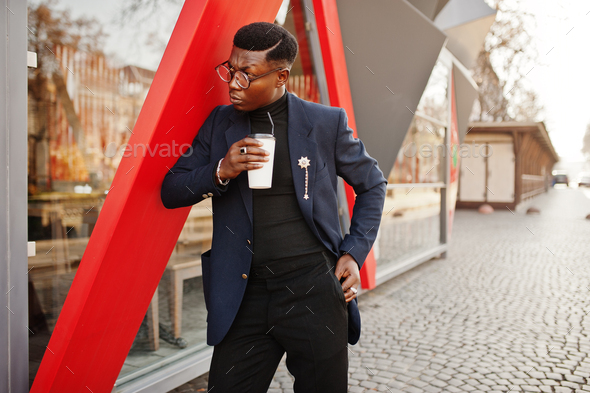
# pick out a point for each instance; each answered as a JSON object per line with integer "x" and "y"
{"x": 510, "y": 163}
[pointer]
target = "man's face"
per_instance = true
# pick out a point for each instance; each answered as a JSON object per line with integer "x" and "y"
{"x": 262, "y": 91}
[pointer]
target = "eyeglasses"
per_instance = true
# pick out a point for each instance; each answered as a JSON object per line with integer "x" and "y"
{"x": 227, "y": 74}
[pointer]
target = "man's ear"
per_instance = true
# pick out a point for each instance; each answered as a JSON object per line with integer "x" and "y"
{"x": 283, "y": 76}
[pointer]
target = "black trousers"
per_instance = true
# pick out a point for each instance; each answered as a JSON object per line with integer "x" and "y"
{"x": 292, "y": 306}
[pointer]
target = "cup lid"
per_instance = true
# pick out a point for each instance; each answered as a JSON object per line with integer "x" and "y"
{"x": 261, "y": 136}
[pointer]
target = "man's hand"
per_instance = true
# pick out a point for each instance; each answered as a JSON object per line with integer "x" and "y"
{"x": 348, "y": 268}
{"x": 234, "y": 163}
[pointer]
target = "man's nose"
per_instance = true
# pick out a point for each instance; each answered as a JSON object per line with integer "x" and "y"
{"x": 233, "y": 83}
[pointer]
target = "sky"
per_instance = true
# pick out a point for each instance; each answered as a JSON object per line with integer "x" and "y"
{"x": 560, "y": 76}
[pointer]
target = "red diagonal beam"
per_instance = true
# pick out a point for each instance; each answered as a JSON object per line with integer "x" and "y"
{"x": 328, "y": 25}
{"x": 135, "y": 235}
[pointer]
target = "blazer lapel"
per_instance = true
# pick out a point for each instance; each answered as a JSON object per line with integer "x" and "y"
{"x": 301, "y": 146}
{"x": 238, "y": 131}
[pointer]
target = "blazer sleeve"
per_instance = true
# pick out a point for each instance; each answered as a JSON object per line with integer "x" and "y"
{"x": 192, "y": 178}
{"x": 361, "y": 171}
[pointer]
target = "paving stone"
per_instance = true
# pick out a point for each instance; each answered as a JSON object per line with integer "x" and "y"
{"x": 353, "y": 382}
{"x": 426, "y": 378}
{"x": 554, "y": 376}
{"x": 561, "y": 389}
{"x": 456, "y": 382}
{"x": 369, "y": 384}
{"x": 432, "y": 389}
{"x": 403, "y": 378}
{"x": 486, "y": 381}
{"x": 529, "y": 388}
{"x": 418, "y": 383}
{"x": 452, "y": 389}
{"x": 537, "y": 374}
{"x": 517, "y": 381}
{"x": 380, "y": 380}
{"x": 439, "y": 383}
{"x": 570, "y": 384}
{"x": 549, "y": 382}
{"x": 575, "y": 378}
{"x": 499, "y": 388}
{"x": 443, "y": 376}
{"x": 413, "y": 389}
{"x": 561, "y": 370}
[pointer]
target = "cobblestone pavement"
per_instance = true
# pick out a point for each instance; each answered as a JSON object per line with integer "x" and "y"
{"x": 507, "y": 310}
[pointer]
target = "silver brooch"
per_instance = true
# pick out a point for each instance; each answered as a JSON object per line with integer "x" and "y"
{"x": 304, "y": 163}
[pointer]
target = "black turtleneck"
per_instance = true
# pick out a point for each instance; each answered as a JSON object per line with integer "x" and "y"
{"x": 280, "y": 231}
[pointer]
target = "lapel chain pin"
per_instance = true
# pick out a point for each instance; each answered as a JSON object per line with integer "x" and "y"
{"x": 304, "y": 163}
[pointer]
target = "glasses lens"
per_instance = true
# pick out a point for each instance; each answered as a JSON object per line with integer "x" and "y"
{"x": 224, "y": 73}
{"x": 242, "y": 80}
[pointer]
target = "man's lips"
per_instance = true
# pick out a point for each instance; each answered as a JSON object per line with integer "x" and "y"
{"x": 234, "y": 99}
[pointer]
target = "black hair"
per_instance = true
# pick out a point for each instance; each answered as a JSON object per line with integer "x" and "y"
{"x": 260, "y": 36}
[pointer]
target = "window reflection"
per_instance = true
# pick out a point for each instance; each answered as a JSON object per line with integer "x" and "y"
{"x": 434, "y": 102}
{"x": 410, "y": 224}
{"x": 421, "y": 155}
{"x": 411, "y": 214}
{"x": 83, "y": 105}
{"x": 302, "y": 80}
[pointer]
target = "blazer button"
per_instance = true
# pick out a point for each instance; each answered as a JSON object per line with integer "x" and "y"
{"x": 205, "y": 196}
{"x": 248, "y": 240}
{"x": 244, "y": 276}
{"x": 210, "y": 194}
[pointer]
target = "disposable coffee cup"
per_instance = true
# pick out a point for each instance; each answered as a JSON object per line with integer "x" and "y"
{"x": 261, "y": 178}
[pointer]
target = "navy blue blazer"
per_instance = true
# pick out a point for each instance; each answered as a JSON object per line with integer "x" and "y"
{"x": 315, "y": 131}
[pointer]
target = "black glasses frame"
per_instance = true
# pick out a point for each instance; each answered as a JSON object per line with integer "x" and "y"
{"x": 249, "y": 79}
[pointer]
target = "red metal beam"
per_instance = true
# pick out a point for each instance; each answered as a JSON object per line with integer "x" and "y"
{"x": 135, "y": 235}
{"x": 328, "y": 25}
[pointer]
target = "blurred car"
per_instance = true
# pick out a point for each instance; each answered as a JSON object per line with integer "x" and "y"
{"x": 584, "y": 180}
{"x": 560, "y": 178}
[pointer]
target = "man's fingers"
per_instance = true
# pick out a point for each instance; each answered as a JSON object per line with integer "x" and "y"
{"x": 341, "y": 271}
{"x": 350, "y": 281}
{"x": 254, "y": 151}
{"x": 248, "y": 158}
{"x": 249, "y": 142}
{"x": 236, "y": 161}
{"x": 251, "y": 165}
{"x": 349, "y": 295}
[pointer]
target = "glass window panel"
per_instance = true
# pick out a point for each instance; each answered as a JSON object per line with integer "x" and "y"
{"x": 411, "y": 214}
{"x": 410, "y": 224}
{"x": 421, "y": 156}
{"x": 84, "y": 99}
{"x": 302, "y": 79}
{"x": 434, "y": 101}
{"x": 419, "y": 160}
{"x": 83, "y": 104}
